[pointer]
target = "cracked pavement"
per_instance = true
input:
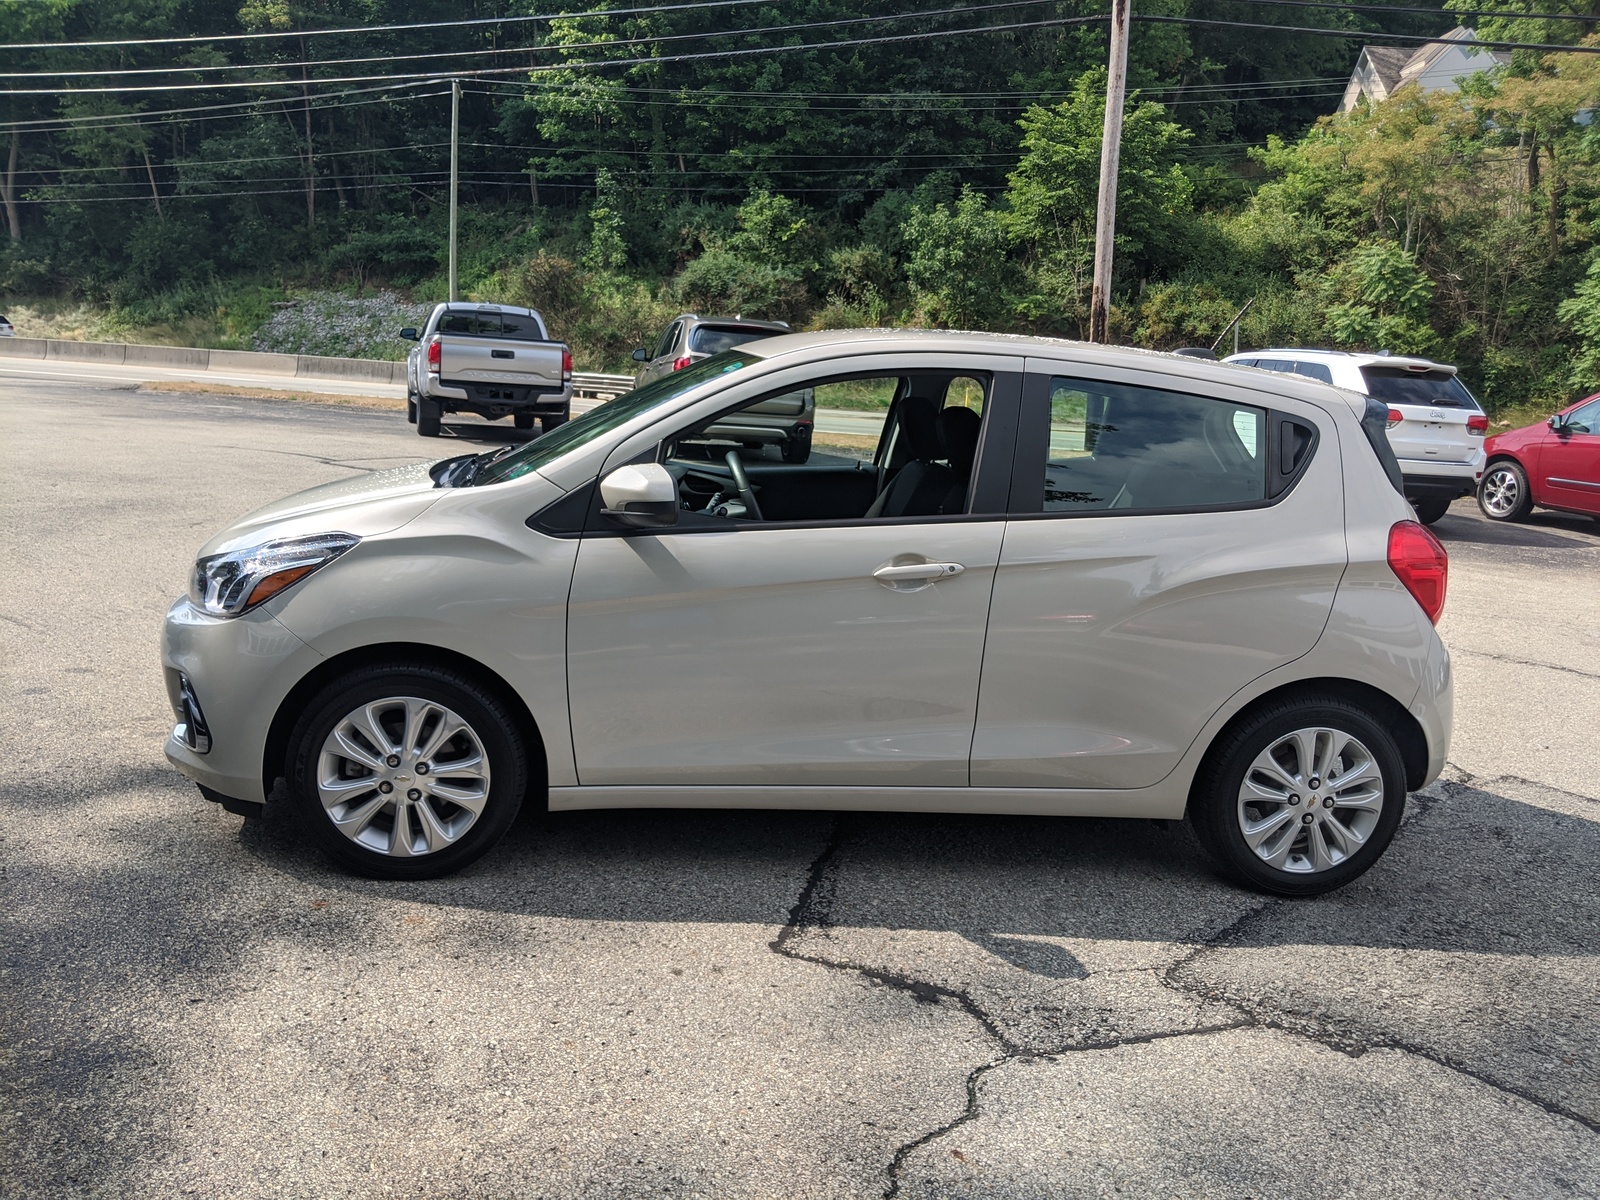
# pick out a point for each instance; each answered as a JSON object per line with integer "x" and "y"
{"x": 754, "y": 1004}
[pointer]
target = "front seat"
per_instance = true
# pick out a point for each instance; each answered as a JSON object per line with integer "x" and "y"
{"x": 920, "y": 487}
{"x": 958, "y": 435}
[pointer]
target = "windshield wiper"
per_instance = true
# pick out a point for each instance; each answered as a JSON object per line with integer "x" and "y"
{"x": 470, "y": 469}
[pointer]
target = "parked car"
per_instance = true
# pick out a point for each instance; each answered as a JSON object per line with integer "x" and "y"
{"x": 6, "y": 329}
{"x": 1436, "y": 426}
{"x": 1073, "y": 580}
{"x": 488, "y": 359}
{"x": 1554, "y": 464}
{"x": 786, "y": 421}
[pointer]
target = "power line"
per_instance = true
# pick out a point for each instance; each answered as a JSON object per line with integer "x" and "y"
{"x": 117, "y": 73}
{"x": 264, "y": 35}
{"x": 651, "y": 60}
{"x": 1360, "y": 35}
{"x": 1343, "y": 6}
{"x": 119, "y": 120}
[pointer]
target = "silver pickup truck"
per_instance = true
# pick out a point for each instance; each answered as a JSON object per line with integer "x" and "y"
{"x": 488, "y": 359}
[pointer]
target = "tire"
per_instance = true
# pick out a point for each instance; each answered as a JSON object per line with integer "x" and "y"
{"x": 1503, "y": 493}
{"x": 1297, "y": 857}
{"x": 1431, "y": 509}
{"x": 546, "y": 424}
{"x": 797, "y": 450}
{"x": 411, "y": 409}
{"x": 522, "y": 420}
{"x": 333, "y": 753}
{"x": 429, "y": 414}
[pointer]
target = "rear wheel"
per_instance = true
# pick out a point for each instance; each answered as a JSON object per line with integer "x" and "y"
{"x": 522, "y": 420}
{"x": 1431, "y": 509}
{"x": 407, "y": 772}
{"x": 1301, "y": 798}
{"x": 1504, "y": 494}
{"x": 797, "y": 449}
{"x": 411, "y": 408}
{"x": 429, "y": 413}
{"x": 546, "y": 424}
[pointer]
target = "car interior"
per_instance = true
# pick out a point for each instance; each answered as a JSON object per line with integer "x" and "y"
{"x": 921, "y": 466}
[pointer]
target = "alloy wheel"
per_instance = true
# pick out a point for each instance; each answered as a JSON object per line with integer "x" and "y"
{"x": 1502, "y": 491}
{"x": 1310, "y": 800}
{"x": 403, "y": 777}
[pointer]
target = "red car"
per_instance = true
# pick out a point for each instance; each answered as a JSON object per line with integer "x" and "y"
{"x": 1555, "y": 464}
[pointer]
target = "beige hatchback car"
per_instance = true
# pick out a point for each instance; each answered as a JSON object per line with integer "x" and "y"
{"x": 1072, "y": 580}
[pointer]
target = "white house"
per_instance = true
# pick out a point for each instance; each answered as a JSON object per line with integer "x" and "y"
{"x": 1381, "y": 71}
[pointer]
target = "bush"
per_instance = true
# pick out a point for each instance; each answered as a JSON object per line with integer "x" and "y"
{"x": 722, "y": 283}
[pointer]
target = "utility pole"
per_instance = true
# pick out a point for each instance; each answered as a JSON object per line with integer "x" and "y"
{"x": 455, "y": 159}
{"x": 1105, "y": 220}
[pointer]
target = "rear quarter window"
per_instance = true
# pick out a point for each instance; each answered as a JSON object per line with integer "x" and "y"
{"x": 1314, "y": 371}
{"x": 1401, "y": 385}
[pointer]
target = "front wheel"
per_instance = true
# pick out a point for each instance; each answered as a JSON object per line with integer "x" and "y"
{"x": 1301, "y": 798}
{"x": 1430, "y": 510}
{"x": 1504, "y": 494}
{"x": 407, "y": 772}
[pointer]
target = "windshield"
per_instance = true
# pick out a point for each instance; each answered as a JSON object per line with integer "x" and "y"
{"x": 598, "y": 422}
{"x": 1401, "y": 385}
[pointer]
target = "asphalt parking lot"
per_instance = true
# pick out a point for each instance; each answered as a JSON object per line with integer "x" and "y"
{"x": 753, "y": 1004}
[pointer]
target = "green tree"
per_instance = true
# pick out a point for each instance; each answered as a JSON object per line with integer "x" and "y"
{"x": 957, "y": 262}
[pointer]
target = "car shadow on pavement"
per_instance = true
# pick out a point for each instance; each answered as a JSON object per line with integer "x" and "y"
{"x": 1447, "y": 883}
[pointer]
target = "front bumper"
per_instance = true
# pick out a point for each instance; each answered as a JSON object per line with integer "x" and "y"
{"x": 236, "y": 672}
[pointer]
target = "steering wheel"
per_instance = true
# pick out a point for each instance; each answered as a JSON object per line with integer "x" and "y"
{"x": 742, "y": 482}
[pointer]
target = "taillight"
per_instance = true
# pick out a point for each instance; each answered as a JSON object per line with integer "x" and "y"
{"x": 1478, "y": 425}
{"x": 435, "y": 355}
{"x": 1395, "y": 417}
{"x": 679, "y": 364}
{"x": 566, "y": 365}
{"x": 1418, "y": 560}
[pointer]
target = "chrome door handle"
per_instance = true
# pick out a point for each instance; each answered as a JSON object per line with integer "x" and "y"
{"x": 914, "y": 571}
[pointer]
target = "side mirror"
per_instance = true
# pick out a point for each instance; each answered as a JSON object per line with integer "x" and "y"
{"x": 1558, "y": 423}
{"x": 643, "y": 496}
{"x": 410, "y": 333}
{"x": 641, "y": 355}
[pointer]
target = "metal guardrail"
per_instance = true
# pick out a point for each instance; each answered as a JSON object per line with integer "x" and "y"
{"x": 592, "y": 385}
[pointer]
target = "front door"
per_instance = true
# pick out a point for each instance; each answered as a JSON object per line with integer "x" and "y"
{"x": 1570, "y": 462}
{"x": 835, "y": 648}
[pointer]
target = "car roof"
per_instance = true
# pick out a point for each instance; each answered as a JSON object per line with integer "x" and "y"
{"x": 740, "y": 322}
{"x": 890, "y": 341}
{"x": 1308, "y": 353}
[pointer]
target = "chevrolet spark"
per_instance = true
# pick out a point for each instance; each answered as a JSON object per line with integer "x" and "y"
{"x": 1069, "y": 580}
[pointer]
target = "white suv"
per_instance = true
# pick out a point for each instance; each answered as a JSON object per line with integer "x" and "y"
{"x": 1436, "y": 426}
{"x": 1072, "y": 581}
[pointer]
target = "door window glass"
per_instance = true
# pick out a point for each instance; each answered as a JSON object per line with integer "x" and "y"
{"x": 664, "y": 346}
{"x": 1120, "y": 447}
{"x": 1585, "y": 419}
{"x": 808, "y": 454}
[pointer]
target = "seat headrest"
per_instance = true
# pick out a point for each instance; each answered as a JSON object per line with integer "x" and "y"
{"x": 919, "y": 425}
{"x": 958, "y": 435}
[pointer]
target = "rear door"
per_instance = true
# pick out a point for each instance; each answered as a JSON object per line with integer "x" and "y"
{"x": 1569, "y": 462}
{"x": 1168, "y": 543}
{"x": 1434, "y": 407}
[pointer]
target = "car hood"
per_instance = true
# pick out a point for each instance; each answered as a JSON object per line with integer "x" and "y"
{"x": 364, "y": 505}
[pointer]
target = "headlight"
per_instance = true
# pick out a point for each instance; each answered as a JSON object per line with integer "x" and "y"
{"x": 226, "y": 585}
